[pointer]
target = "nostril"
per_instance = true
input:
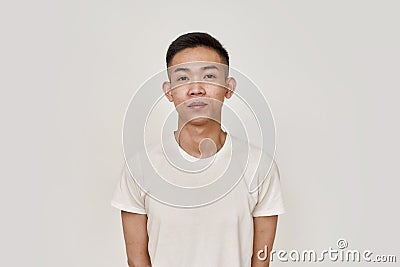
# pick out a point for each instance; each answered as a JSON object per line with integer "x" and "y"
{"x": 196, "y": 93}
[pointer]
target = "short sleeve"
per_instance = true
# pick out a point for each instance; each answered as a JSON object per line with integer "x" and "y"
{"x": 269, "y": 195}
{"x": 127, "y": 195}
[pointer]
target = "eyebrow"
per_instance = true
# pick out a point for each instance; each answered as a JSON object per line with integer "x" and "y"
{"x": 181, "y": 69}
{"x": 202, "y": 68}
{"x": 211, "y": 67}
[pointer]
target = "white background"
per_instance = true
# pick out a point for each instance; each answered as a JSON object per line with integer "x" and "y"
{"x": 329, "y": 69}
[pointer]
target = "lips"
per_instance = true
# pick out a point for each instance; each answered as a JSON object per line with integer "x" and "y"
{"x": 197, "y": 104}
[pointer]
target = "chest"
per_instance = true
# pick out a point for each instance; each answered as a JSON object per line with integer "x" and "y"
{"x": 231, "y": 210}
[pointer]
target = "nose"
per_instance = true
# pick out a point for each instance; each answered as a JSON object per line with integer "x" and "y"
{"x": 195, "y": 89}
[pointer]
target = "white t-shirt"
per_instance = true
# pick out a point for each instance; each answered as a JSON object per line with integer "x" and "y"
{"x": 213, "y": 235}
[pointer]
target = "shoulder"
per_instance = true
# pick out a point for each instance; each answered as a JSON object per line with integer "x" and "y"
{"x": 260, "y": 164}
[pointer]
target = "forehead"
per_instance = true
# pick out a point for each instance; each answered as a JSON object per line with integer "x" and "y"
{"x": 196, "y": 67}
{"x": 196, "y": 54}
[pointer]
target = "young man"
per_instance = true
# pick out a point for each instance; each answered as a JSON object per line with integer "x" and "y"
{"x": 230, "y": 231}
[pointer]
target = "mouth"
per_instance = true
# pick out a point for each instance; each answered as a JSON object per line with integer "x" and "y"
{"x": 197, "y": 104}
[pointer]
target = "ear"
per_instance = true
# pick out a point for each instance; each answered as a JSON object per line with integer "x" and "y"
{"x": 166, "y": 86}
{"x": 231, "y": 86}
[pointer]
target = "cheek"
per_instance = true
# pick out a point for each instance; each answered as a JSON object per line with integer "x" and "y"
{"x": 179, "y": 96}
{"x": 217, "y": 93}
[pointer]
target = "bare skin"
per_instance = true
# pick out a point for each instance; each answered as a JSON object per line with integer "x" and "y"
{"x": 191, "y": 132}
{"x": 136, "y": 239}
{"x": 264, "y": 235}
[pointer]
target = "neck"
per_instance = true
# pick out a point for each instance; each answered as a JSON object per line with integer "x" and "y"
{"x": 201, "y": 141}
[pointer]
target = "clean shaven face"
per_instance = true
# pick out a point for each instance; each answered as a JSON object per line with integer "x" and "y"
{"x": 198, "y": 84}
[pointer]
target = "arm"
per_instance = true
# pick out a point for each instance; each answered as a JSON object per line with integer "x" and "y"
{"x": 136, "y": 239}
{"x": 264, "y": 235}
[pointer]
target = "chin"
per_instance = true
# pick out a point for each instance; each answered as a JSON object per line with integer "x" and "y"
{"x": 199, "y": 121}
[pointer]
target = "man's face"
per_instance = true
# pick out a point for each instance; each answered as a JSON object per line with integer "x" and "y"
{"x": 198, "y": 84}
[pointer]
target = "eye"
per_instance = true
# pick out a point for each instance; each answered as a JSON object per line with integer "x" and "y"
{"x": 209, "y": 76}
{"x": 183, "y": 78}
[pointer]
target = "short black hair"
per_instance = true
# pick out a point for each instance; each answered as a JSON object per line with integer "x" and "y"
{"x": 196, "y": 39}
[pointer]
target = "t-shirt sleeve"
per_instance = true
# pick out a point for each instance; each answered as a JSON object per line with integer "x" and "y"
{"x": 127, "y": 195}
{"x": 269, "y": 195}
